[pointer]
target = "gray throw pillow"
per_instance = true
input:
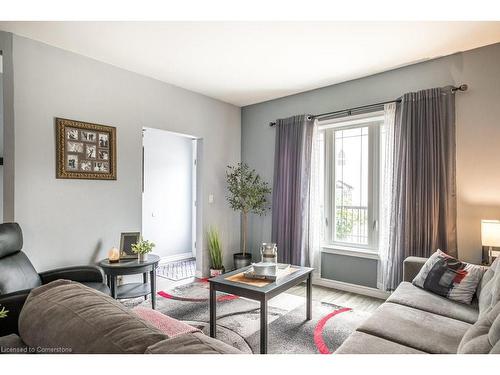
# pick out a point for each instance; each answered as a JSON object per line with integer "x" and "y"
{"x": 450, "y": 278}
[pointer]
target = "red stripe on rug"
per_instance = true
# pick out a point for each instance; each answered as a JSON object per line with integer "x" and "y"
{"x": 226, "y": 297}
{"x": 165, "y": 295}
{"x": 318, "y": 331}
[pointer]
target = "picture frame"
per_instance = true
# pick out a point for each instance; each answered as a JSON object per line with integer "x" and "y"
{"x": 127, "y": 239}
{"x": 85, "y": 150}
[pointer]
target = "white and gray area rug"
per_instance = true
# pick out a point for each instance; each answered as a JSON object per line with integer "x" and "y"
{"x": 238, "y": 319}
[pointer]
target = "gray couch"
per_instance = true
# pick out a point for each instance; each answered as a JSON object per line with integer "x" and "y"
{"x": 68, "y": 317}
{"x": 415, "y": 321}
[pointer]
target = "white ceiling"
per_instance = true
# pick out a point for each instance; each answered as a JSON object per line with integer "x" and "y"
{"x": 249, "y": 62}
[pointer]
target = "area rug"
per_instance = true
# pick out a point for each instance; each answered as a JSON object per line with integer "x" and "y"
{"x": 238, "y": 320}
{"x": 179, "y": 270}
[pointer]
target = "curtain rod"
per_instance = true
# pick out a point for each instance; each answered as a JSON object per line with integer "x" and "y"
{"x": 462, "y": 87}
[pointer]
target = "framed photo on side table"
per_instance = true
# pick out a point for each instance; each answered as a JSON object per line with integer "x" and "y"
{"x": 126, "y": 242}
{"x": 85, "y": 150}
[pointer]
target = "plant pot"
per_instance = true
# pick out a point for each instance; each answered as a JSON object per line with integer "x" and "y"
{"x": 143, "y": 257}
{"x": 242, "y": 260}
{"x": 216, "y": 272}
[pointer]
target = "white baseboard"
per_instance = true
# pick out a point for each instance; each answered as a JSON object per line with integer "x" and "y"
{"x": 176, "y": 257}
{"x": 352, "y": 288}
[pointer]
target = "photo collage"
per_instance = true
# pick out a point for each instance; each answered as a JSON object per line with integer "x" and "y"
{"x": 87, "y": 151}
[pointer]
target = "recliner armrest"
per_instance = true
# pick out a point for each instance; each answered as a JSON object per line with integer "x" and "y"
{"x": 411, "y": 267}
{"x": 77, "y": 273}
{"x": 13, "y": 303}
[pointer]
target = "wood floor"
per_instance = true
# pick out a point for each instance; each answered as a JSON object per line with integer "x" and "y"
{"x": 338, "y": 297}
{"x": 320, "y": 294}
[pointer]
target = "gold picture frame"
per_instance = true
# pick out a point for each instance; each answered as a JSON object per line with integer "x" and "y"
{"x": 85, "y": 150}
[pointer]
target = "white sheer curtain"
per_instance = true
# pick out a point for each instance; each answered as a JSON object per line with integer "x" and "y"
{"x": 315, "y": 202}
{"x": 387, "y": 187}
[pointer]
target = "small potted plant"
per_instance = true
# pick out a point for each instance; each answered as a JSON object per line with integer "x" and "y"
{"x": 215, "y": 250}
{"x": 3, "y": 312}
{"x": 142, "y": 248}
{"x": 248, "y": 194}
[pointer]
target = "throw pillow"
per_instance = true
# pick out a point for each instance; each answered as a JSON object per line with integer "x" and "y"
{"x": 450, "y": 278}
{"x": 169, "y": 326}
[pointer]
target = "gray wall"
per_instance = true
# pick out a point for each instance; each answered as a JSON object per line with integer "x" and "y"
{"x": 77, "y": 221}
{"x": 8, "y": 126}
{"x": 478, "y": 130}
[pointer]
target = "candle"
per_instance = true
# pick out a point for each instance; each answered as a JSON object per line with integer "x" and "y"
{"x": 114, "y": 255}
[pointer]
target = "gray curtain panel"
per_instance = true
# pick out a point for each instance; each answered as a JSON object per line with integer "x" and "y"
{"x": 292, "y": 163}
{"x": 423, "y": 215}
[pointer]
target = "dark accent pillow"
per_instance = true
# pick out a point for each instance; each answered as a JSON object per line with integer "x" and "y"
{"x": 449, "y": 277}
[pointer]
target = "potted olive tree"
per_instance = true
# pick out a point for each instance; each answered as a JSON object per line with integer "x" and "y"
{"x": 215, "y": 250}
{"x": 247, "y": 194}
{"x": 142, "y": 248}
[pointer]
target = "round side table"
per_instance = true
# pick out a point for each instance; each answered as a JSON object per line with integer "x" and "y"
{"x": 132, "y": 267}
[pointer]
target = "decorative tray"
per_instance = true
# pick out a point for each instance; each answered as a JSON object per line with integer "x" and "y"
{"x": 267, "y": 271}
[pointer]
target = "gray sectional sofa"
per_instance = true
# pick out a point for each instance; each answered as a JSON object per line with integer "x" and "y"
{"x": 415, "y": 321}
{"x": 68, "y": 317}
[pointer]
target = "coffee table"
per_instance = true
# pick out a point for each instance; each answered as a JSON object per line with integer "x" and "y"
{"x": 259, "y": 293}
{"x": 132, "y": 267}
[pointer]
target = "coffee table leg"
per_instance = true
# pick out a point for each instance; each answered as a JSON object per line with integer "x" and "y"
{"x": 213, "y": 313}
{"x": 152, "y": 276}
{"x": 309, "y": 297}
{"x": 263, "y": 326}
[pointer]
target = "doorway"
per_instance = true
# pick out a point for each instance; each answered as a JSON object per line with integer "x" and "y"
{"x": 169, "y": 193}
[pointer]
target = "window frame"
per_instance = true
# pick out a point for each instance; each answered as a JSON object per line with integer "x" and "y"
{"x": 374, "y": 121}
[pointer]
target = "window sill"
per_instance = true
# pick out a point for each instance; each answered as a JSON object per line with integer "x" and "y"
{"x": 350, "y": 251}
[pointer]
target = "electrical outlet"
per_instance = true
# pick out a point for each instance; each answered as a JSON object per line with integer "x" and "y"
{"x": 211, "y": 198}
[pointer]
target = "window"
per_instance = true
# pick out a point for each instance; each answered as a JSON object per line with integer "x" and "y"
{"x": 351, "y": 163}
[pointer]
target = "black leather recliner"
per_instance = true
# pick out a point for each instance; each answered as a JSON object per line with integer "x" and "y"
{"x": 18, "y": 276}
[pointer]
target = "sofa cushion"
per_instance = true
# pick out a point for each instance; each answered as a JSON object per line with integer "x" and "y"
{"x": 450, "y": 278}
{"x": 415, "y": 328}
{"x": 484, "y": 336}
{"x": 364, "y": 343}
{"x": 101, "y": 287}
{"x": 68, "y": 315}
{"x": 412, "y": 296}
{"x": 12, "y": 344}
{"x": 191, "y": 343}
{"x": 489, "y": 289}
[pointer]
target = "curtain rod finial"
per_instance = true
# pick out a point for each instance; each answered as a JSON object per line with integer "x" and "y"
{"x": 462, "y": 87}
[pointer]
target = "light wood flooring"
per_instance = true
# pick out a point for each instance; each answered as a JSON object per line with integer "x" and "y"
{"x": 338, "y": 297}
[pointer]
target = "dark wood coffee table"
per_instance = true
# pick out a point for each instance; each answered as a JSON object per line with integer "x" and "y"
{"x": 132, "y": 267}
{"x": 261, "y": 294}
